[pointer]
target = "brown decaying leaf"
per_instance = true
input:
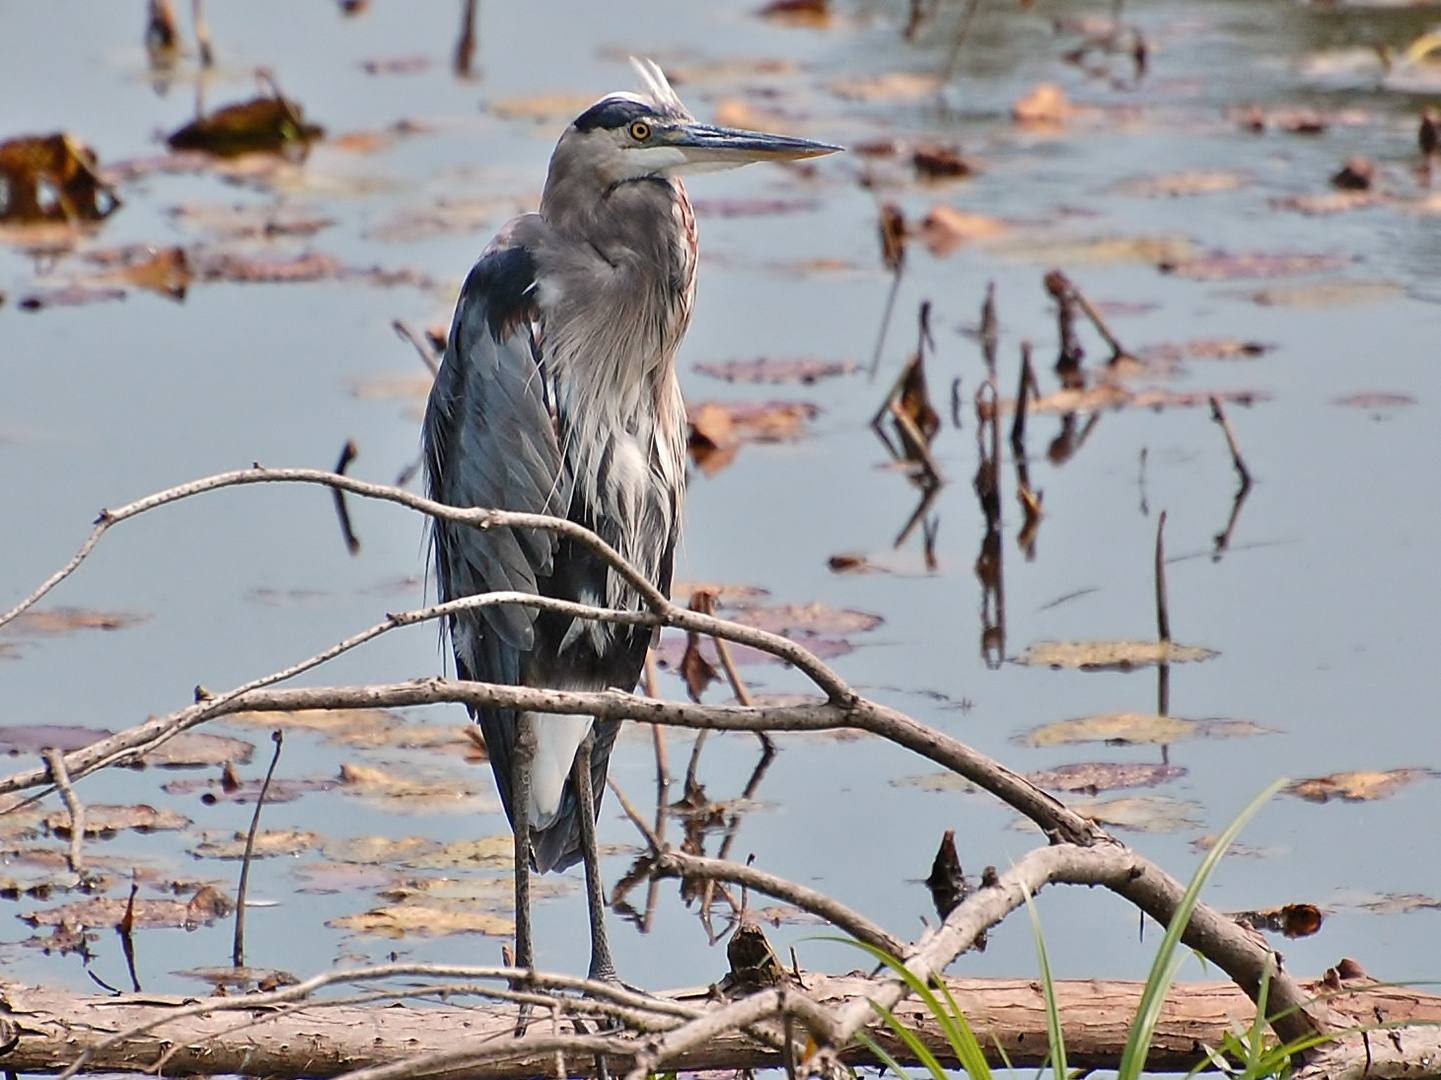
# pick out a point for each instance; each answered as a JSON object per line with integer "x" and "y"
{"x": 811, "y": 13}
{"x": 66, "y": 620}
{"x": 205, "y": 907}
{"x": 695, "y": 669}
{"x": 1291, "y": 920}
{"x": 1361, "y": 785}
{"x": 1173, "y": 185}
{"x": 937, "y": 161}
{"x": 1326, "y": 294}
{"x": 67, "y": 296}
{"x": 1046, "y": 106}
{"x": 1098, "y": 776}
{"x": 162, "y": 270}
{"x": 1111, "y": 655}
{"x": 105, "y": 821}
{"x": 765, "y": 369}
{"x": 1128, "y": 729}
{"x": 892, "y": 86}
{"x": 1329, "y": 202}
{"x": 261, "y": 125}
{"x": 717, "y": 429}
{"x": 945, "y": 228}
{"x": 1219, "y": 266}
{"x": 52, "y": 178}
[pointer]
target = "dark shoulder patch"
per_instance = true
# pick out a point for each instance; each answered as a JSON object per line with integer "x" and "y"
{"x": 611, "y": 113}
{"x": 503, "y": 279}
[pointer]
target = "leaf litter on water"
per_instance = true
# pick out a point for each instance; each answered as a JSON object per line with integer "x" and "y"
{"x": 267, "y": 843}
{"x": 104, "y": 912}
{"x": 105, "y": 821}
{"x": 1142, "y": 813}
{"x": 777, "y": 372}
{"x": 422, "y": 853}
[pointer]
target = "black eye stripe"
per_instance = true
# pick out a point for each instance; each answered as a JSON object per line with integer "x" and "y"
{"x": 613, "y": 113}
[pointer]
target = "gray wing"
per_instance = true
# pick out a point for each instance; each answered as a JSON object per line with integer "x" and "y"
{"x": 490, "y": 440}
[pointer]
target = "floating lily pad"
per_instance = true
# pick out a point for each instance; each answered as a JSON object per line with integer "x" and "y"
{"x": 1111, "y": 655}
{"x": 194, "y": 749}
{"x": 1327, "y": 294}
{"x": 418, "y": 920}
{"x": 267, "y": 843}
{"x": 1125, "y": 728}
{"x": 105, "y": 821}
{"x": 1143, "y": 813}
{"x": 1097, "y": 776}
{"x": 204, "y": 908}
{"x": 414, "y": 792}
{"x": 32, "y": 738}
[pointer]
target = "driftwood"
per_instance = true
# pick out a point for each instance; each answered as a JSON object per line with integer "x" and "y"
{"x": 47, "y": 1029}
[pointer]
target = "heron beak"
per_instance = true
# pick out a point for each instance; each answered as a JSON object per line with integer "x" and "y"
{"x": 716, "y": 147}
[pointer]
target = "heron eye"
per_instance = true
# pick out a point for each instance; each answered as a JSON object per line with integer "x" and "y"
{"x": 640, "y": 131}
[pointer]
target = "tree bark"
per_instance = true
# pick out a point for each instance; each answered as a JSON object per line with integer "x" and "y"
{"x": 45, "y": 1030}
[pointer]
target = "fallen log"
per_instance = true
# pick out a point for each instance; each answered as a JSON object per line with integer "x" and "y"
{"x": 45, "y": 1030}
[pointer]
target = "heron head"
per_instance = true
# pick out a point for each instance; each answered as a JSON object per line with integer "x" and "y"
{"x": 630, "y": 136}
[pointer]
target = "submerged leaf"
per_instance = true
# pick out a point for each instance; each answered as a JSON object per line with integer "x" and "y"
{"x": 1218, "y": 266}
{"x": 204, "y": 908}
{"x": 814, "y": 617}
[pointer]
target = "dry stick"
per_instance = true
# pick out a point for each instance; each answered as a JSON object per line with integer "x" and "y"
{"x": 55, "y": 762}
{"x": 421, "y": 346}
{"x": 1163, "y": 615}
{"x": 348, "y": 453}
{"x": 1219, "y": 415}
{"x": 1118, "y": 351}
{"x": 243, "y": 888}
{"x": 1023, "y": 393}
{"x": 676, "y": 864}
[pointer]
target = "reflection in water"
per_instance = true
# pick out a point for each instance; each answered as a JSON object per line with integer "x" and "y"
{"x": 987, "y": 487}
{"x": 907, "y": 424}
{"x": 700, "y": 817}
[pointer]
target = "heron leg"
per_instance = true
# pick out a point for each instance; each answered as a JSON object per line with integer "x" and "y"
{"x": 602, "y": 967}
{"x": 520, "y": 806}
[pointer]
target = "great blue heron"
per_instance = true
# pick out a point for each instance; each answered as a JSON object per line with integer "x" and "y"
{"x": 558, "y": 395}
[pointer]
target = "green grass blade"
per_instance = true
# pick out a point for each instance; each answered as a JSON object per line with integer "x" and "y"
{"x": 1164, "y": 967}
{"x": 1054, "y": 1034}
{"x": 911, "y": 1039}
{"x": 882, "y": 1055}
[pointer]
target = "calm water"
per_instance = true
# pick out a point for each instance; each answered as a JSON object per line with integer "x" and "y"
{"x": 1322, "y": 609}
